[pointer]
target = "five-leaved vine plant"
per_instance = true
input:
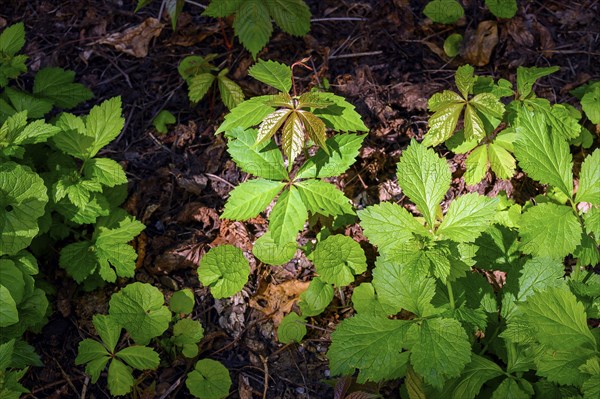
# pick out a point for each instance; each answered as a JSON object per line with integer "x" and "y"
{"x": 298, "y": 190}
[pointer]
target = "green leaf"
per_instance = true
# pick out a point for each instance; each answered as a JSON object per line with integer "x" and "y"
{"x": 57, "y": 85}
{"x": 549, "y": 230}
{"x": 371, "y": 344}
{"x": 23, "y": 101}
{"x": 108, "y": 330}
{"x": 79, "y": 260}
{"x": 287, "y": 217}
{"x": 174, "y": 8}
{"x": 538, "y": 274}
{"x": 73, "y": 139}
{"x": 447, "y": 107}
{"x": 366, "y": 301}
{"x": 231, "y": 93}
{"x": 95, "y": 355}
{"x": 252, "y": 25}
{"x": 592, "y": 223}
{"x": 467, "y": 217}
{"x": 399, "y": 290}
{"x": 12, "y": 39}
{"x": 388, "y": 226}
{"x": 343, "y": 150}
{"x": 293, "y": 16}
{"x": 225, "y": 270}
{"x": 425, "y": 178}
{"x": 291, "y": 329}
{"x": 559, "y": 319}
{"x": 248, "y": 114}
{"x": 221, "y": 8}
{"x": 316, "y": 298}
{"x": 209, "y": 380}
{"x": 502, "y": 8}
{"x": 139, "y": 357}
{"x": 8, "y": 308}
{"x": 465, "y": 80}
{"x": 182, "y": 301}
{"x": 444, "y": 11}
{"x": 199, "y": 86}
{"x": 545, "y": 159}
{"x": 22, "y": 201}
{"x": 187, "y": 331}
{"x": 589, "y": 179}
{"x": 105, "y": 171}
{"x": 120, "y": 379}
{"x": 510, "y": 388}
{"x": 474, "y": 128}
{"x": 561, "y": 366}
{"x": 452, "y": 44}
{"x": 488, "y": 104}
{"x": 11, "y": 68}
{"x": 476, "y": 165}
{"x": 104, "y": 123}
{"x": 163, "y": 119}
{"x": 440, "y": 351}
{"x": 475, "y": 374}
{"x": 267, "y": 251}
{"x": 501, "y": 161}
{"x": 340, "y": 116}
{"x": 140, "y": 309}
{"x": 271, "y": 124}
{"x": 338, "y": 258}
{"x": 262, "y": 160}
{"x": 250, "y": 198}
{"x": 272, "y": 73}
{"x": 12, "y": 279}
{"x": 526, "y": 78}
{"x": 589, "y": 104}
{"x": 323, "y": 198}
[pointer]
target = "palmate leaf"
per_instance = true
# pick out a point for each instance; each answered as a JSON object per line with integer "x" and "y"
{"x": 120, "y": 380}
{"x": 316, "y": 298}
{"x": 502, "y": 163}
{"x": 252, "y": 25}
{"x": 465, "y": 80}
{"x": 589, "y": 103}
{"x": 12, "y": 39}
{"x": 104, "y": 123}
{"x": 262, "y": 160}
{"x": 371, "y": 344}
{"x": 474, "y": 128}
{"x": 313, "y": 100}
{"x": 221, "y": 8}
{"x": 287, "y": 217}
{"x": 271, "y": 124}
{"x": 291, "y": 329}
{"x": 209, "y": 380}
{"x": 292, "y": 137}
{"x": 250, "y": 198}
{"x": 293, "y": 16}
{"x": 58, "y": 85}
{"x": 475, "y": 374}
{"x": 549, "y": 230}
{"x": 270, "y": 253}
{"x": 139, "y": 357}
{"x": 526, "y": 78}
{"x": 272, "y": 73}
{"x": 544, "y": 158}
{"x": 467, "y": 217}
{"x": 425, "y": 178}
{"x": 340, "y": 116}
{"x": 589, "y": 179}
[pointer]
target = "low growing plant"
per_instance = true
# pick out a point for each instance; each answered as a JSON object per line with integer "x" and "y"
{"x": 450, "y": 11}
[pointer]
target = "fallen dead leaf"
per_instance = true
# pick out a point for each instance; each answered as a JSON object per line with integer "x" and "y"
{"x": 480, "y": 44}
{"x": 135, "y": 40}
{"x": 276, "y": 300}
{"x": 184, "y": 257}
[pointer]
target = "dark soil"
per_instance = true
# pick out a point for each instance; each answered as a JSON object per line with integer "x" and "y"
{"x": 384, "y": 56}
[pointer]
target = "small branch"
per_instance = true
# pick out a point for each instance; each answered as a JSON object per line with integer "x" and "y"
{"x": 365, "y": 54}
{"x": 338, "y": 19}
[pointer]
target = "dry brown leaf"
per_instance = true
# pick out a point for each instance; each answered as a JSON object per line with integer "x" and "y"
{"x": 276, "y": 300}
{"x": 135, "y": 40}
{"x": 184, "y": 257}
{"x": 480, "y": 45}
{"x": 234, "y": 233}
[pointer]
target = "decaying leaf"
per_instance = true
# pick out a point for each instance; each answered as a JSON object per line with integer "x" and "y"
{"x": 276, "y": 300}
{"x": 135, "y": 40}
{"x": 480, "y": 45}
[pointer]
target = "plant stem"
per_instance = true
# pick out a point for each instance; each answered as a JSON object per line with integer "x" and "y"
{"x": 492, "y": 338}
{"x": 587, "y": 276}
{"x": 450, "y": 294}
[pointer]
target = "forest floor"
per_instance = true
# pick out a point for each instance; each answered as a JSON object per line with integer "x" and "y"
{"x": 383, "y": 56}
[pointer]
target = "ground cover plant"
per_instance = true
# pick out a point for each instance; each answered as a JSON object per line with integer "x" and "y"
{"x": 367, "y": 211}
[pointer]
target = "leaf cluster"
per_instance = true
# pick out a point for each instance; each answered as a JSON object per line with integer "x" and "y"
{"x": 450, "y": 11}
{"x": 198, "y": 73}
